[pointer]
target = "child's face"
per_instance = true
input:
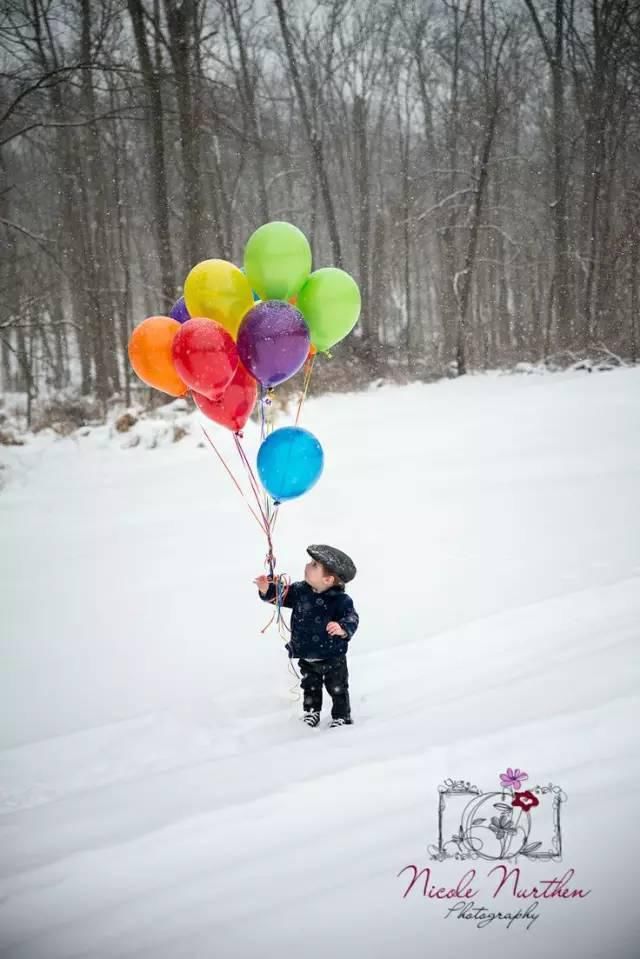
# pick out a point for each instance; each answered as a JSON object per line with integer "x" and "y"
{"x": 316, "y": 577}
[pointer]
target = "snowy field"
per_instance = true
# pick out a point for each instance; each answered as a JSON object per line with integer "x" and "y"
{"x": 159, "y": 796}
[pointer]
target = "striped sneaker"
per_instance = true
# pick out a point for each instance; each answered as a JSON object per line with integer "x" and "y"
{"x": 311, "y": 718}
{"x": 340, "y": 722}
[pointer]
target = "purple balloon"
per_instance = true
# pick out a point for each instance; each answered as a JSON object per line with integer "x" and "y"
{"x": 273, "y": 342}
{"x": 179, "y": 311}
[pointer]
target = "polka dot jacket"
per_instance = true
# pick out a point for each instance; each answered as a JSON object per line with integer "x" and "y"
{"x": 311, "y": 613}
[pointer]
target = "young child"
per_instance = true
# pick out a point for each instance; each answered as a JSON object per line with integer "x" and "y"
{"x": 322, "y": 623}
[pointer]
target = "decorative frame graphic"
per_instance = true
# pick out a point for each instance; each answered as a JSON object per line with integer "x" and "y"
{"x": 465, "y": 815}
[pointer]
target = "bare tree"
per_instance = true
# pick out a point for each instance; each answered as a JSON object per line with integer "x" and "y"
{"x": 493, "y": 40}
{"x": 155, "y": 133}
{"x": 473, "y": 164}
{"x": 315, "y": 142}
{"x": 554, "y": 48}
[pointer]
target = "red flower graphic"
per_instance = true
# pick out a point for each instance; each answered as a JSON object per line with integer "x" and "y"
{"x": 525, "y": 800}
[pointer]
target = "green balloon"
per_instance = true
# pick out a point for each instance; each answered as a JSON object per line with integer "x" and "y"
{"x": 277, "y": 260}
{"x": 330, "y": 303}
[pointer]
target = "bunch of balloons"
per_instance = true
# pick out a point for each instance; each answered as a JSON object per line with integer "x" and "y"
{"x": 237, "y": 332}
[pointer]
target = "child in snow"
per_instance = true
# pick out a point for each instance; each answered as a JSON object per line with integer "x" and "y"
{"x": 322, "y": 623}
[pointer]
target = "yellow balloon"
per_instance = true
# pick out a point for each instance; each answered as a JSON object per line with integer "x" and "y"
{"x": 218, "y": 290}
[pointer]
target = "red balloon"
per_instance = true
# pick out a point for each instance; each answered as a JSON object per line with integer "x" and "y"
{"x": 234, "y": 407}
{"x": 205, "y": 356}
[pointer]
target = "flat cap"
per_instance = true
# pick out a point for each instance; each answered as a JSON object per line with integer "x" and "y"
{"x": 334, "y": 560}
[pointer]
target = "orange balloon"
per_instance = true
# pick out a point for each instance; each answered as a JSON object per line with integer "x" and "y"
{"x": 293, "y": 300}
{"x": 150, "y": 354}
{"x": 312, "y": 351}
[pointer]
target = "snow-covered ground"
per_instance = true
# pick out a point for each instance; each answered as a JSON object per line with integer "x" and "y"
{"x": 159, "y": 795}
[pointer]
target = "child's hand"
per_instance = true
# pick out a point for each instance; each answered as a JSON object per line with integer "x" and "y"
{"x": 262, "y": 582}
{"x": 335, "y": 629}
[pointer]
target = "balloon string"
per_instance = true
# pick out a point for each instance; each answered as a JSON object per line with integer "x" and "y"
{"x": 262, "y": 423}
{"x": 268, "y": 516}
{"x": 308, "y": 370}
{"x": 295, "y": 689}
{"x": 266, "y": 428}
{"x": 263, "y": 433}
{"x": 260, "y": 522}
{"x": 272, "y": 523}
{"x": 266, "y": 524}
{"x": 245, "y": 462}
{"x": 282, "y": 582}
{"x": 254, "y": 488}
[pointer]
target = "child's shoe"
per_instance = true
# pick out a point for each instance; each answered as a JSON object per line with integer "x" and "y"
{"x": 340, "y": 722}
{"x": 311, "y": 718}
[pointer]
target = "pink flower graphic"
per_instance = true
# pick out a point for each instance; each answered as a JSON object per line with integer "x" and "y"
{"x": 513, "y": 778}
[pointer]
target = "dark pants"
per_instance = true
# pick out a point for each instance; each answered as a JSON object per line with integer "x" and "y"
{"x": 335, "y": 676}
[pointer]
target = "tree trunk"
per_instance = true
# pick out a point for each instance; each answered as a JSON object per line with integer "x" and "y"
{"x": 563, "y": 296}
{"x": 315, "y": 140}
{"x": 248, "y": 94}
{"x": 634, "y": 300}
{"x": 180, "y": 20}
{"x": 154, "y": 126}
{"x": 96, "y": 252}
{"x": 474, "y": 226}
{"x": 364, "y": 214}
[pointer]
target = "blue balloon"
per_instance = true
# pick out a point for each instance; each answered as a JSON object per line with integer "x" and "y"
{"x": 290, "y": 462}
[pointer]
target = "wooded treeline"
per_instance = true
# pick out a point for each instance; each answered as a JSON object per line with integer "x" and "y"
{"x": 475, "y": 164}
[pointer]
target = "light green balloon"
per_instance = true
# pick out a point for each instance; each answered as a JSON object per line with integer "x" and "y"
{"x": 330, "y": 303}
{"x": 277, "y": 260}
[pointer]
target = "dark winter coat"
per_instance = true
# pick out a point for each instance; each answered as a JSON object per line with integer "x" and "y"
{"x": 311, "y": 613}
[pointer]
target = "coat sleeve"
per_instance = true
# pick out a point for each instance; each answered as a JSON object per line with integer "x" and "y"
{"x": 349, "y": 619}
{"x": 270, "y": 595}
